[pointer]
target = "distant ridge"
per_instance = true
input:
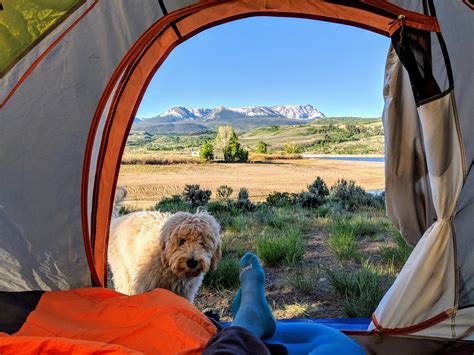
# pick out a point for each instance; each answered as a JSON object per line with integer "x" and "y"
{"x": 193, "y": 120}
{"x": 294, "y": 112}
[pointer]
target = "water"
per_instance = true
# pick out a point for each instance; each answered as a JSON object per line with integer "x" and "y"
{"x": 345, "y": 158}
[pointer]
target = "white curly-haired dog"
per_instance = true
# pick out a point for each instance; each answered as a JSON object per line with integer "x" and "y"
{"x": 151, "y": 249}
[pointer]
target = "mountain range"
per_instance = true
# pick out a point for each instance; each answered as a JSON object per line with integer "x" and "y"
{"x": 191, "y": 120}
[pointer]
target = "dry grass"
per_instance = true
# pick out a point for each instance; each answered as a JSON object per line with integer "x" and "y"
{"x": 147, "y": 184}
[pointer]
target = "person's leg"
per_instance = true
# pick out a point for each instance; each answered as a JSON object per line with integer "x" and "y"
{"x": 253, "y": 314}
{"x": 253, "y": 317}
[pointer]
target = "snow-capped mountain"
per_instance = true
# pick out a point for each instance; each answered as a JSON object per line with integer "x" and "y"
{"x": 293, "y": 112}
{"x": 185, "y": 113}
{"x": 299, "y": 112}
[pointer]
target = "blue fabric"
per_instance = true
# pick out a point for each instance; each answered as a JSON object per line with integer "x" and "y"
{"x": 313, "y": 338}
{"x": 318, "y": 336}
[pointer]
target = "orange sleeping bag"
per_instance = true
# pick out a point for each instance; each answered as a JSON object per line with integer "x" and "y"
{"x": 102, "y": 321}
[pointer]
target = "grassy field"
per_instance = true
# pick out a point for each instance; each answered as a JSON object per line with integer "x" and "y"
{"x": 147, "y": 184}
{"x": 333, "y": 259}
{"x": 329, "y": 136}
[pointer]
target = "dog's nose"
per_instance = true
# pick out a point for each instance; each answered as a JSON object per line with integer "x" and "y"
{"x": 191, "y": 263}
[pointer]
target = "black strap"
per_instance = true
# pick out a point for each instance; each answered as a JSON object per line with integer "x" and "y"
{"x": 165, "y": 12}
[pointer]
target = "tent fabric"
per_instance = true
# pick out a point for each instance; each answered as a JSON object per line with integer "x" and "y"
{"x": 409, "y": 202}
{"x": 26, "y": 22}
{"x": 67, "y": 106}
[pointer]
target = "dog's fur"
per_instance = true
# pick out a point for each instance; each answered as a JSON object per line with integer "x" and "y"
{"x": 150, "y": 250}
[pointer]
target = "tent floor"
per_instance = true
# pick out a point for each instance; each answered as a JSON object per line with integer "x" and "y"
{"x": 301, "y": 337}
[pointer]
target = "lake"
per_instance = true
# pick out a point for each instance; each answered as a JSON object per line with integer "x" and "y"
{"x": 346, "y": 158}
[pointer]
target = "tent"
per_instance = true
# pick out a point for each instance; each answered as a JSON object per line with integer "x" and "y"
{"x": 73, "y": 73}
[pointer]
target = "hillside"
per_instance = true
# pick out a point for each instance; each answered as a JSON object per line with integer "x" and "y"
{"x": 332, "y": 135}
{"x": 326, "y": 136}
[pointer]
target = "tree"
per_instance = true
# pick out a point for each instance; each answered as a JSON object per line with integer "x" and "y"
{"x": 228, "y": 144}
{"x": 262, "y": 147}
{"x": 207, "y": 151}
{"x": 222, "y": 142}
{"x": 292, "y": 148}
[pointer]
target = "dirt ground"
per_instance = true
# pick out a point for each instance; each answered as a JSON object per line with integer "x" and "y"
{"x": 147, "y": 184}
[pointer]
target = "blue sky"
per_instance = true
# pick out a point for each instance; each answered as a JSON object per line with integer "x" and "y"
{"x": 270, "y": 61}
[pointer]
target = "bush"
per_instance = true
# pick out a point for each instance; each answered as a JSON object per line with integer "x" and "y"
{"x": 262, "y": 148}
{"x": 207, "y": 151}
{"x": 281, "y": 247}
{"x": 172, "y": 204}
{"x": 377, "y": 200}
{"x": 281, "y": 199}
{"x": 195, "y": 196}
{"x": 225, "y": 276}
{"x": 319, "y": 187}
{"x": 243, "y": 202}
{"x": 361, "y": 290}
{"x": 224, "y": 192}
{"x": 292, "y": 148}
{"x": 349, "y": 195}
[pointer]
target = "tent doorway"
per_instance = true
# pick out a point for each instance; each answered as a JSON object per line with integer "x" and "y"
{"x": 167, "y": 140}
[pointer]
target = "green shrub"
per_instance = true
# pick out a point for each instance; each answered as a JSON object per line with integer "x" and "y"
{"x": 281, "y": 247}
{"x": 225, "y": 276}
{"x": 342, "y": 241}
{"x": 224, "y": 192}
{"x": 221, "y": 207}
{"x": 377, "y": 200}
{"x": 262, "y": 148}
{"x": 292, "y": 148}
{"x": 362, "y": 290}
{"x": 195, "y": 196}
{"x": 207, "y": 151}
{"x": 172, "y": 204}
{"x": 238, "y": 223}
{"x": 323, "y": 211}
{"x": 367, "y": 226}
{"x": 349, "y": 195}
{"x": 280, "y": 199}
{"x": 243, "y": 202}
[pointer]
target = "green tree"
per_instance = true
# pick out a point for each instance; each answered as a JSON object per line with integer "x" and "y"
{"x": 262, "y": 147}
{"x": 207, "y": 151}
{"x": 228, "y": 145}
{"x": 222, "y": 142}
{"x": 292, "y": 148}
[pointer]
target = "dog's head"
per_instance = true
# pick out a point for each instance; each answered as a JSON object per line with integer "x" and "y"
{"x": 190, "y": 243}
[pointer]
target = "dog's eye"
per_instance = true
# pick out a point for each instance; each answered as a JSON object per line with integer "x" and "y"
{"x": 181, "y": 242}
